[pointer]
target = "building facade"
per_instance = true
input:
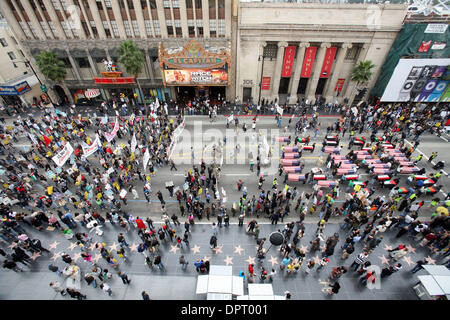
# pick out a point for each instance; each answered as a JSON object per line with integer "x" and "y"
{"x": 17, "y": 80}
{"x": 287, "y": 51}
{"x": 85, "y": 33}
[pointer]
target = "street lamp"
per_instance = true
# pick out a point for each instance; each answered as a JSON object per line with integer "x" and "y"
{"x": 262, "y": 72}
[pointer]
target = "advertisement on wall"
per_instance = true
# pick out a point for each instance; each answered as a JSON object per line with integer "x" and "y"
{"x": 418, "y": 80}
{"x": 265, "y": 83}
{"x": 15, "y": 90}
{"x": 195, "y": 77}
{"x": 328, "y": 62}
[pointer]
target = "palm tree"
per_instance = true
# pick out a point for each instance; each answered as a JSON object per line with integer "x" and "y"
{"x": 361, "y": 74}
{"x": 132, "y": 58}
{"x": 50, "y": 66}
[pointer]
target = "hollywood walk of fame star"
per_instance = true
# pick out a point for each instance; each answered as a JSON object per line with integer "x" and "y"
{"x": 12, "y": 245}
{"x": 324, "y": 248}
{"x": 408, "y": 260}
{"x": 76, "y": 256}
{"x": 113, "y": 246}
{"x": 35, "y": 256}
{"x": 317, "y": 260}
{"x": 53, "y": 245}
{"x": 411, "y": 249}
{"x": 386, "y": 247}
{"x": 384, "y": 259}
{"x": 325, "y": 284}
{"x": 196, "y": 249}
{"x": 72, "y": 246}
{"x": 218, "y": 250}
{"x": 228, "y": 260}
{"x": 96, "y": 257}
{"x": 133, "y": 247}
{"x": 305, "y": 249}
{"x": 273, "y": 260}
{"x": 174, "y": 249}
{"x": 430, "y": 260}
{"x": 92, "y": 246}
{"x": 238, "y": 249}
{"x": 56, "y": 256}
{"x": 205, "y": 258}
{"x": 250, "y": 260}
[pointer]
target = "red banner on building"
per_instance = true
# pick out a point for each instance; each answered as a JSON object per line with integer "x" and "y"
{"x": 265, "y": 85}
{"x": 114, "y": 80}
{"x": 328, "y": 62}
{"x": 308, "y": 62}
{"x": 339, "y": 85}
{"x": 289, "y": 56}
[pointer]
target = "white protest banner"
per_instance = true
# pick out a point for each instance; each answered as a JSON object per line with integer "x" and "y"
{"x": 280, "y": 110}
{"x": 63, "y": 155}
{"x": 32, "y": 138}
{"x": 123, "y": 193}
{"x": 110, "y": 136}
{"x": 110, "y": 170}
{"x": 91, "y": 149}
{"x": 146, "y": 158}
{"x": 133, "y": 143}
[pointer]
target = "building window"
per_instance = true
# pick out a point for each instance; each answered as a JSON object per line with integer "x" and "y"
{"x": 143, "y": 4}
{"x": 270, "y": 51}
{"x": 148, "y": 28}
{"x": 99, "y": 5}
{"x": 108, "y": 4}
{"x": 175, "y": 3}
{"x": 221, "y": 3}
{"x": 198, "y": 4}
{"x": 152, "y": 4}
{"x": 25, "y": 30}
{"x": 82, "y": 62}
{"x": 115, "y": 28}
{"x": 106, "y": 27}
{"x": 178, "y": 29}
{"x": 212, "y": 4}
{"x": 135, "y": 25}
{"x": 33, "y": 31}
{"x": 42, "y": 5}
{"x": 157, "y": 28}
{"x": 166, "y": 4}
{"x": 169, "y": 25}
{"x": 212, "y": 27}
{"x": 66, "y": 29}
{"x": 46, "y": 29}
{"x": 3, "y": 42}
{"x": 130, "y": 4}
{"x": 191, "y": 28}
{"x": 52, "y": 27}
{"x": 94, "y": 28}
{"x": 352, "y": 53}
{"x": 126, "y": 24}
{"x": 63, "y": 3}
{"x": 56, "y": 5}
{"x": 199, "y": 28}
{"x": 188, "y": 4}
{"x": 11, "y": 55}
{"x": 221, "y": 30}
{"x": 15, "y": 65}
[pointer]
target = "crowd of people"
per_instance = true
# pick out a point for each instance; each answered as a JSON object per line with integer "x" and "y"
{"x": 40, "y": 193}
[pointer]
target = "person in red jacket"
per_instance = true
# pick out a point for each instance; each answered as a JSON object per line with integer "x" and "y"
{"x": 140, "y": 224}
{"x": 251, "y": 270}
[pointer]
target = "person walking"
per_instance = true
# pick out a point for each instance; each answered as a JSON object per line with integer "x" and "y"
{"x": 55, "y": 285}
{"x": 75, "y": 294}
{"x": 362, "y": 257}
{"x": 183, "y": 262}
{"x": 124, "y": 277}
{"x": 157, "y": 261}
{"x": 145, "y": 295}
{"x": 105, "y": 287}
{"x": 419, "y": 265}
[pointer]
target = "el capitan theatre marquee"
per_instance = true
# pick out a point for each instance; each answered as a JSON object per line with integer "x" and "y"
{"x": 194, "y": 66}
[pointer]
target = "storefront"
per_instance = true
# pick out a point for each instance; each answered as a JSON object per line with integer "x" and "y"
{"x": 194, "y": 71}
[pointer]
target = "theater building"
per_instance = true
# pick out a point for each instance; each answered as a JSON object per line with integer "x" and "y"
{"x": 85, "y": 33}
{"x": 291, "y": 51}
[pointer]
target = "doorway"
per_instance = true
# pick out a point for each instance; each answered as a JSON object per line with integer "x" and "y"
{"x": 321, "y": 85}
{"x": 62, "y": 97}
{"x": 247, "y": 95}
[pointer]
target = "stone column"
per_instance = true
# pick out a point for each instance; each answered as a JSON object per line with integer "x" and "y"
{"x": 329, "y": 90}
{"x": 205, "y": 18}
{"x": 74, "y": 65}
{"x": 98, "y": 21}
{"x": 318, "y": 62}
{"x": 139, "y": 18}
{"x": 34, "y": 20}
{"x": 350, "y": 92}
{"x": 92, "y": 63}
{"x": 119, "y": 21}
{"x": 277, "y": 73}
{"x": 297, "y": 72}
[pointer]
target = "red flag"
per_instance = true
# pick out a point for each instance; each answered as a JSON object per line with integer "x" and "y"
{"x": 47, "y": 140}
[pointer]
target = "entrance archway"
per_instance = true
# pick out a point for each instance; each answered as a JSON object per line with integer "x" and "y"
{"x": 62, "y": 97}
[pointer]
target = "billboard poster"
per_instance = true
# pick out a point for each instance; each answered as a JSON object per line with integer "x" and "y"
{"x": 15, "y": 90}
{"x": 339, "y": 85}
{"x": 265, "y": 83}
{"x": 289, "y": 56}
{"x": 418, "y": 80}
{"x": 196, "y": 77}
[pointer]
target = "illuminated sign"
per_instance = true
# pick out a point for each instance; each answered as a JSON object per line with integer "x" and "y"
{"x": 218, "y": 77}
